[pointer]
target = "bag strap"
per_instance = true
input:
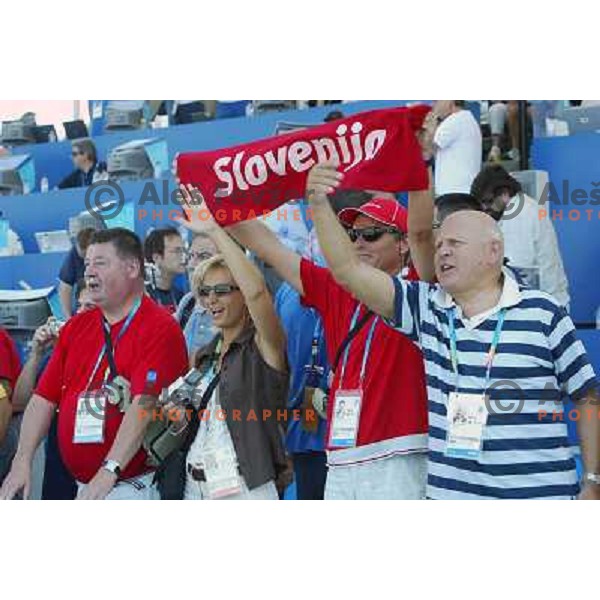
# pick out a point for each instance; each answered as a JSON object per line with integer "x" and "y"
{"x": 193, "y": 429}
{"x": 351, "y": 335}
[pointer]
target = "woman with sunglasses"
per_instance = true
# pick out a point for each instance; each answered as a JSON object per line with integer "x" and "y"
{"x": 238, "y": 451}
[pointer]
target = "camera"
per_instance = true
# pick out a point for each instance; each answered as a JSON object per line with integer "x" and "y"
{"x": 118, "y": 392}
{"x": 54, "y": 325}
{"x": 320, "y": 398}
{"x": 183, "y": 390}
{"x": 150, "y": 275}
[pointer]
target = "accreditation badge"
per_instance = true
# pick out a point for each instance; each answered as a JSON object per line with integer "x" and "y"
{"x": 221, "y": 472}
{"x": 467, "y": 418}
{"x": 345, "y": 418}
{"x": 90, "y": 418}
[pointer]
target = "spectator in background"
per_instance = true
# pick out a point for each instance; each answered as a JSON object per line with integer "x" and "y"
{"x": 193, "y": 318}
{"x": 9, "y": 371}
{"x": 530, "y": 242}
{"x": 87, "y": 167}
{"x": 58, "y": 483}
{"x": 453, "y": 137}
{"x": 334, "y": 115}
{"x": 164, "y": 248}
{"x": 72, "y": 271}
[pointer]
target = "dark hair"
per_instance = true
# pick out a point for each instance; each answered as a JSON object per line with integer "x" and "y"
{"x": 126, "y": 243}
{"x": 493, "y": 180}
{"x": 334, "y": 115}
{"x": 155, "y": 241}
{"x": 87, "y": 147}
{"x": 84, "y": 237}
{"x": 349, "y": 199}
{"x": 448, "y": 204}
{"x": 460, "y": 103}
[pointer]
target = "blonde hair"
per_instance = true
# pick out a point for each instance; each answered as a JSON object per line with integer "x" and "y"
{"x": 214, "y": 262}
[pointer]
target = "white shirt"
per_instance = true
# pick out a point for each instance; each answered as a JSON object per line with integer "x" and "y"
{"x": 531, "y": 247}
{"x": 458, "y": 153}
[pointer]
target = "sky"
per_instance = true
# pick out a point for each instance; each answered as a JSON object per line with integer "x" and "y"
{"x": 48, "y": 112}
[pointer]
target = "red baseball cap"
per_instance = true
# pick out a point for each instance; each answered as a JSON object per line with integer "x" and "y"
{"x": 385, "y": 210}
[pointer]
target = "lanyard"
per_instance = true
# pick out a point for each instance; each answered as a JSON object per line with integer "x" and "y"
{"x": 366, "y": 353}
{"x": 316, "y": 339}
{"x": 489, "y": 360}
{"x": 106, "y": 328}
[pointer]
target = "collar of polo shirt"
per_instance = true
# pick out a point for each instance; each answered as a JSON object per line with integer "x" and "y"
{"x": 511, "y": 296}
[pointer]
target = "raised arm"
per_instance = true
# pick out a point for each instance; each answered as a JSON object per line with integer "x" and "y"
{"x": 420, "y": 231}
{"x": 258, "y": 238}
{"x": 270, "y": 336}
{"x": 368, "y": 284}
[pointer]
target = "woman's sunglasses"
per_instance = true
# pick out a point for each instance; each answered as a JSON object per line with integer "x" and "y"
{"x": 221, "y": 289}
{"x": 369, "y": 234}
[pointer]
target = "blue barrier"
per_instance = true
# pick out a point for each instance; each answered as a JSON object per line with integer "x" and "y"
{"x": 54, "y": 160}
{"x": 574, "y": 159}
{"x": 43, "y": 212}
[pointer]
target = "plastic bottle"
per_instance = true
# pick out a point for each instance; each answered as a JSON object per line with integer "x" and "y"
{"x": 52, "y": 137}
{"x": 44, "y": 186}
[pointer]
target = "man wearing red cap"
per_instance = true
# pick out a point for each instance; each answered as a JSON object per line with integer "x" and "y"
{"x": 377, "y": 422}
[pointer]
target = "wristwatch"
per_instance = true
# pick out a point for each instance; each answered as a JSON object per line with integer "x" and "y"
{"x": 593, "y": 478}
{"x": 113, "y": 466}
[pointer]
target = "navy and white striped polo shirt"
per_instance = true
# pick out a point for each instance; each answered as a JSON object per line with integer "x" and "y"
{"x": 526, "y": 453}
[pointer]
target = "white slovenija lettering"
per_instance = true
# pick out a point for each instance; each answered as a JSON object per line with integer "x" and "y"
{"x": 356, "y": 145}
{"x": 237, "y": 173}
{"x": 374, "y": 143}
{"x": 256, "y": 170}
{"x": 277, "y": 165}
{"x": 224, "y": 176}
{"x": 297, "y": 155}
{"x": 343, "y": 143}
{"x": 326, "y": 150}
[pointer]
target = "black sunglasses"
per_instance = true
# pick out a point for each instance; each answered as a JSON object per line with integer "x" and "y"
{"x": 369, "y": 234}
{"x": 76, "y": 154}
{"x": 221, "y": 289}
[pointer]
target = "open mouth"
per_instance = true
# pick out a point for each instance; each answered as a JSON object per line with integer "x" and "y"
{"x": 216, "y": 312}
{"x": 93, "y": 285}
{"x": 446, "y": 268}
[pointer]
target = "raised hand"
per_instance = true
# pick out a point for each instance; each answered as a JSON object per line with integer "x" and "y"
{"x": 199, "y": 218}
{"x": 322, "y": 180}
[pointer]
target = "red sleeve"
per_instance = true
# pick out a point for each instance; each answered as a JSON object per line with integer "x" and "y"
{"x": 412, "y": 274}
{"x": 318, "y": 284}
{"x": 164, "y": 352}
{"x": 10, "y": 363}
{"x": 50, "y": 384}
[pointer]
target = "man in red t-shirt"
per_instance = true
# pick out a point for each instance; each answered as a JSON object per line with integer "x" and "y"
{"x": 100, "y": 445}
{"x": 384, "y": 456}
{"x": 9, "y": 371}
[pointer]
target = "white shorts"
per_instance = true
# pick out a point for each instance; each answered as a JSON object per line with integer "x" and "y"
{"x": 399, "y": 477}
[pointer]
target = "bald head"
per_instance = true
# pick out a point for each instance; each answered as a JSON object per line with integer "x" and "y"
{"x": 477, "y": 226}
{"x": 469, "y": 251}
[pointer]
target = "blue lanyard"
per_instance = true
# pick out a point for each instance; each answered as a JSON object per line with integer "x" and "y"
{"x": 126, "y": 325}
{"x": 316, "y": 340}
{"x": 366, "y": 353}
{"x": 489, "y": 361}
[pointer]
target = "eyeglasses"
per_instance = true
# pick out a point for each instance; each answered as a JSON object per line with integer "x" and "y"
{"x": 75, "y": 153}
{"x": 369, "y": 234}
{"x": 221, "y": 289}
{"x": 205, "y": 255}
